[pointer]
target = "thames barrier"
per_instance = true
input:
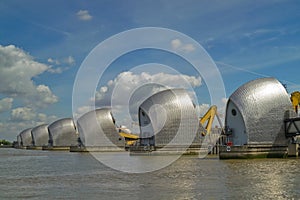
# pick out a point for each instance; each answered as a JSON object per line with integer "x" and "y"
{"x": 260, "y": 121}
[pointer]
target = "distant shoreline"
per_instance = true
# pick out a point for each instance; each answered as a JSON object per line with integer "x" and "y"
{"x": 6, "y": 146}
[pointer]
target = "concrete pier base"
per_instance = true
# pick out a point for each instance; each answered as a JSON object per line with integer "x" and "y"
{"x": 252, "y": 151}
{"x": 34, "y": 148}
{"x": 96, "y": 149}
{"x": 293, "y": 150}
{"x": 50, "y": 148}
{"x": 169, "y": 150}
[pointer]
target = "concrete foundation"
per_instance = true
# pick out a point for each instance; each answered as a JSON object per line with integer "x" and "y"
{"x": 253, "y": 151}
{"x": 202, "y": 151}
{"x": 57, "y": 148}
{"x": 96, "y": 149}
{"x": 293, "y": 150}
{"x": 34, "y": 148}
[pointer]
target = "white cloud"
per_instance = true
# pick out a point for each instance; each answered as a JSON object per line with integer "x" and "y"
{"x": 188, "y": 47}
{"x": 178, "y": 45}
{"x": 53, "y": 61}
{"x": 42, "y": 118}
{"x": 82, "y": 110}
{"x": 135, "y": 88}
{"x": 6, "y": 104}
{"x": 45, "y": 95}
{"x": 128, "y": 82}
{"x": 22, "y": 118}
{"x": 202, "y": 109}
{"x": 84, "y": 15}
{"x": 17, "y": 70}
{"x": 57, "y": 70}
{"x": 55, "y": 67}
{"x": 69, "y": 60}
{"x": 23, "y": 114}
{"x": 30, "y": 116}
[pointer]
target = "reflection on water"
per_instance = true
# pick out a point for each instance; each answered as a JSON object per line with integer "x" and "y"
{"x": 62, "y": 175}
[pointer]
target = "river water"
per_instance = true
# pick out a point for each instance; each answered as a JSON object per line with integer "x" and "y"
{"x": 27, "y": 174}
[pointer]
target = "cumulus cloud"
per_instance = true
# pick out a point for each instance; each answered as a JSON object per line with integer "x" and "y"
{"x": 53, "y": 61}
{"x": 202, "y": 109}
{"x": 128, "y": 90}
{"x": 131, "y": 89}
{"x": 30, "y": 116}
{"x": 22, "y": 118}
{"x": 82, "y": 110}
{"x": 17, "y": 69}
{"x": 45, "y": 95}
{"x": 55, "y": 70}
{"x": 128, "y": 83}
{"x": 69, "y": 60}
{"x": 5, "y": 104}
{"x": 22, "y": 98}
{"x": 178, "y": 45}
{"x": 84, "y": 15}
{"x": 57, "y": 66}
{"x": 23, "y": 114}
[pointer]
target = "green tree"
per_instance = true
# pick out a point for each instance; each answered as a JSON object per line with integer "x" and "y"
{"x": 5, "y": 142}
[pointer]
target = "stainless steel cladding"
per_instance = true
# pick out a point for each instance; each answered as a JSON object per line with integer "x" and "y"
{"x": 19, "y": 140}
{"x": 62, "y": 133}
{"x": 255, "y": 112}
{"x": 168, "y": 117}
{"x": 26, "y": 138}
{"x": 40, "y": 135}
{"x": 97, "y": 129}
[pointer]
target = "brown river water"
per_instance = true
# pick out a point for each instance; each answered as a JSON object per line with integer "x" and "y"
{"x": 28, "y": 174}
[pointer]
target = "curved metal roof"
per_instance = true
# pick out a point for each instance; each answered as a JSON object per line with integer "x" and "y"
{"x": 170, "y": 115}
{"x": 19, "y": 140}
{"x": 40, "y": 135}
{"x": 26, "y": 138}
{"x": 62, "y": 133}
{"x": 97, "y": 128}
{"x": 263, "y": 104}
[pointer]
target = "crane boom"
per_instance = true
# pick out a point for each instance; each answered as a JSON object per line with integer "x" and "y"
{"x": 295, "y": 98}
{"x": 206, "y": 122}
{"x": 209, "y": 118}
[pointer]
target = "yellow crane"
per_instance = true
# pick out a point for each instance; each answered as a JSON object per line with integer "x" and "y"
{"x": 295, "y": 98}
{"x": 208, "y": 119}
{"x": 130, "y": 139}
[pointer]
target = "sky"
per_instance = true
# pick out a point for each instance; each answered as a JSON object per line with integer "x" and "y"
{"x": 43, "y": 44}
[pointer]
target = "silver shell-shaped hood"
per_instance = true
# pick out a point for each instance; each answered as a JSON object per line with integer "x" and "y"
{"x": 40, "y": 135}
{"x": 97, "y": 129}
{"x": 168, "y": 118}
{"x": 26, "y": 138}
{"x": 256, "y": 110}
{"x": 62, "y": 133}
{"x": 19, "y": 140}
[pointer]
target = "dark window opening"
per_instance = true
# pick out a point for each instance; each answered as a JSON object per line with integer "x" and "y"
{"x": 233, "y": 112}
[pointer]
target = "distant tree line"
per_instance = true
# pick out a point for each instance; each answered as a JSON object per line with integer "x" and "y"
{"x": 5, "y": 142}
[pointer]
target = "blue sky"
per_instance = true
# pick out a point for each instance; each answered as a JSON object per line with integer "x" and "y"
{"x": 43, "y": 44}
